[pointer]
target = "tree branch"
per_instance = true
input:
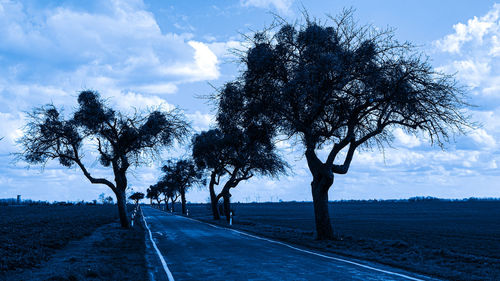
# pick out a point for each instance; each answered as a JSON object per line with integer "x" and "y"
{"x": 87, "y": 174}
{"x": 342, "y": 169}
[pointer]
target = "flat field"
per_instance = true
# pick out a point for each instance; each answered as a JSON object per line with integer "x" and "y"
{"x": 31, "y": 234}
{"x": 452, "y": 240}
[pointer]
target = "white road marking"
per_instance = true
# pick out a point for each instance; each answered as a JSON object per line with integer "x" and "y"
{"x": 311, "y": 252}
{"x": 165, "y": 267}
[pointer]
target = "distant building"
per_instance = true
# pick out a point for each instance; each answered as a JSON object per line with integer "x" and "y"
{"x": 18, "y": 199}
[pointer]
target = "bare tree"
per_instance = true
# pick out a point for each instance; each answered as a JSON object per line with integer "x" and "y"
{"x": 120, "y": 140}
{"x": 344, "y": 87}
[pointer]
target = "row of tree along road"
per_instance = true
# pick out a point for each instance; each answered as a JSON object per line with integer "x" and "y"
{"x": 338, "y": 86}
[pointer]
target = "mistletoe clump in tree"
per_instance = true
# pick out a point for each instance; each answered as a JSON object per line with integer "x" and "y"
{"x": 344, "y": 87}
{"x": 118, "y": 139}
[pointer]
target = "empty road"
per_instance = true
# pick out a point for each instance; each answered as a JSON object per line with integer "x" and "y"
{"x": 194, "y": 250}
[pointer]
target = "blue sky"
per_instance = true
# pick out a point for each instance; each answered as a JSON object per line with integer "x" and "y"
{"x": 149, "y": 53}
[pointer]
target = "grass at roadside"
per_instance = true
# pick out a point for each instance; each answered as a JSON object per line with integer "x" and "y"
{"x": 453, "y": 240}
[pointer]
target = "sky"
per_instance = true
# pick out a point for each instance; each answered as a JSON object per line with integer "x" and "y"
{"x": 143, "y": 54}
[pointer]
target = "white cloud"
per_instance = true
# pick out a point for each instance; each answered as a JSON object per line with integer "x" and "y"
{"x": 224, "y": 49}
{"x": 128, "y": 100}
{"x": 282, "y": 6}
{"x": 124, "y": 44}
{"x": 201, "y": 122}
{"x": 161, "y": 88}
{"x": 473, "y": 72}
{"x": 482, "y": 138}
{"x": 475, "y": 30}
{"x": 204, "y": 66}
{"x": 10, "y": 130}
{"x": 405, "y": 139}
{"x": 473, "y": 52}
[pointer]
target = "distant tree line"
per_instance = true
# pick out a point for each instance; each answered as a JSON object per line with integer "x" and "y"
{"x": 29, "y": 202}
{"x": 421, "y": 199}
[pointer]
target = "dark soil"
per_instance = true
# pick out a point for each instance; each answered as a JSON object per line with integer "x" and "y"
{"x": 65, "y": 250}
{"x": 31, "y": 234}
{"x": 110, "y": 253}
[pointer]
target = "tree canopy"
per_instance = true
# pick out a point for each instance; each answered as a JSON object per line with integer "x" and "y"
{"x": 240, "y": 147}
{"x": 343, "y": 86}
{"x": 136, "y": 196}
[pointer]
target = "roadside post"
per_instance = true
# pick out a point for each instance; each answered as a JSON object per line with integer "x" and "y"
{"x": 133, "y": 216}
{"x": 231, "y": 218}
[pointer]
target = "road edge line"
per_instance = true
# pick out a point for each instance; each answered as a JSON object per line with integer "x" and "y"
{"x": 310, "y": 252}
{"x": 163, "y": 263}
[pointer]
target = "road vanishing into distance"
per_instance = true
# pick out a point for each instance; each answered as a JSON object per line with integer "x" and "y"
{"x": 194, "y": 250}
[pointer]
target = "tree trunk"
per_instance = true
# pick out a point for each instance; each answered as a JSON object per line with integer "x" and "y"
{"x": 322, "y": 181}
{"x": 173, "y": 206}
{"x": 227, "y": 206}
{"x": 320, "y": 186}
{"x": 183, "y": 202}
{"x": 213, "y": 197}
{"x": 121, "y": 196}
{"x": 122, "y": 208}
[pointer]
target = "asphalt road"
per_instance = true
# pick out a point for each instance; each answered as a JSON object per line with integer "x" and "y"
{"x": 195, "y": 250}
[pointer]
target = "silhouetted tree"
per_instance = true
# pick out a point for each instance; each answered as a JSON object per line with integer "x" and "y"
{"x": 137, "y": 196}
{"x": 180, "y": 175}
{"x": 108, "y": 200}
{"x": 159, "y": 189}
{"x": 120, "y": 140}
{"x": 344, "y": 87}
{"x": 213, "y": 152}
{"x": 168, "y": 191}
{"x": 102, "y": 198}
{"x": 152, "y": 193}
{"x": 171, "y": 193}
{"x": 242, "y": 146}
